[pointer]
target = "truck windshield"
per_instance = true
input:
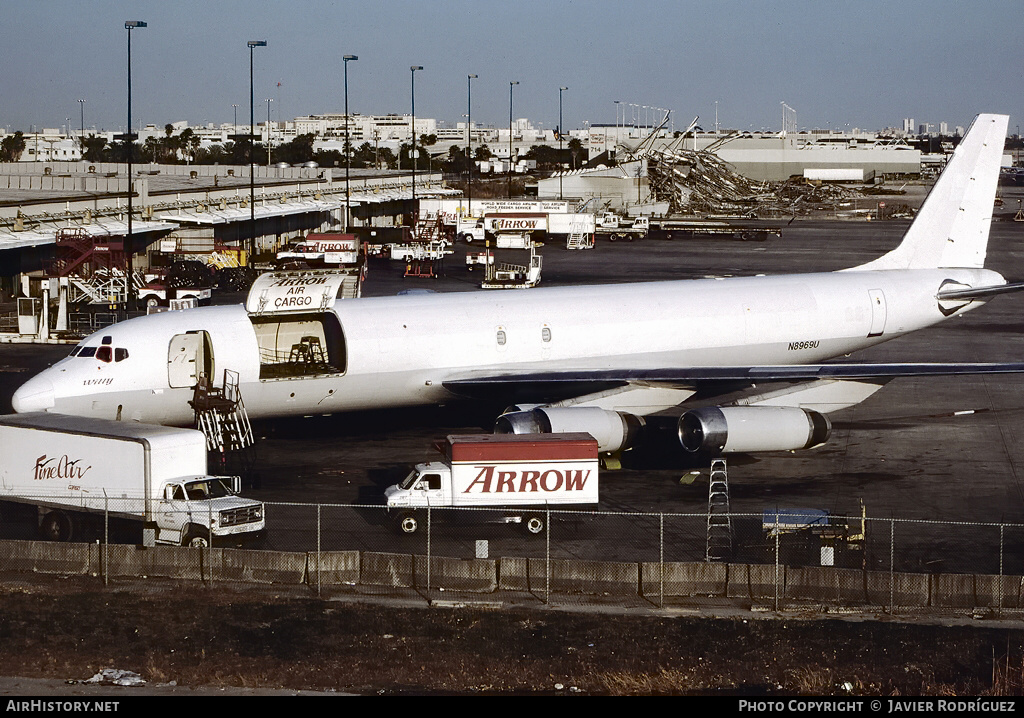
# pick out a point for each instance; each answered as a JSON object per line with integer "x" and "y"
{"x": 410, "y": 480}
{"x": 207, "y": 489}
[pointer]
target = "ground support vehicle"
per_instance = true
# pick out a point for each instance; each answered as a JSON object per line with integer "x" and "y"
{"x": 323, "y": 250}
{"x": 512, "y": 478}
{"x": 470, "y": 229}
{"x": 417, "y": 251}
{"x": 156, "y": 294}
{"x": 78, "y": 471}
{"x": 615, "y": 228}
{"x": 691, "y": 229}
{"x": 513, "y": 276}
{"x": 479, "y": 259}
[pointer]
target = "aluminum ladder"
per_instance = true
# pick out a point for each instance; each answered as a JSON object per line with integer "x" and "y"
{"x": 719, "y": 545}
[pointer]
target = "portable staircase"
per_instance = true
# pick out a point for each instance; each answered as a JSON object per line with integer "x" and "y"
{"x": 578, "y": 237}
{"x": 94, "y": 265}
{"x": 719, "y": 546}
{"x": 220, "y": 414}
{"x": 427, "y": 232}
{"x": 427, "y": 227}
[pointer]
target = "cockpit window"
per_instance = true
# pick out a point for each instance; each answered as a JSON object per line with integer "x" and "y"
{"x": 107, "y": 340}
{"x": 87, "y": 352}
{"x": 120, "y": 354}
{"x": 105, "y": 353}
{"x": 74, "y": 352}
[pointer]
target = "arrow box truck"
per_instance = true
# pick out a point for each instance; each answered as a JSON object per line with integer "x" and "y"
{"x": 512, "y": 477}
{"x": 79, "y": 471}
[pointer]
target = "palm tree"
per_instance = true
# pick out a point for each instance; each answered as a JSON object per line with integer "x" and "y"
{"x": 12, "y": 147}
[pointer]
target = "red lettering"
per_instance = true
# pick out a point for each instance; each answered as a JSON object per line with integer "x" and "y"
{"x": 576, "y": 480}
{"x": 506, "y": 480}
{"x": 544, "y": 480}
{"x": 484, "y": 477}
{"x": 64, "y": 468}
{"x": 529, "y": 478}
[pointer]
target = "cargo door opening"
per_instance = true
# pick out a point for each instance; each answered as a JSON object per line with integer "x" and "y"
{"x": 298, "y": 345}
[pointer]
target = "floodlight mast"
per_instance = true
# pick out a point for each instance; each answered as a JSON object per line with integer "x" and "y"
{"x": 129, "y": 248}
{"x": 348, "y": 146}
{"x": 252, "y": 155}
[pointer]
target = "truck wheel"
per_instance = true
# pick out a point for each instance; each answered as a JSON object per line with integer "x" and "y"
{"x": 408, "y": 523}
{"x": 195, "y": 539}
{"x": 534, "y": 524}
{"x": 56, "y": 526}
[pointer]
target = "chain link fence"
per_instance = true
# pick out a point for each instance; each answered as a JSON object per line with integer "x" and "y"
{"x": 660, "y": 559}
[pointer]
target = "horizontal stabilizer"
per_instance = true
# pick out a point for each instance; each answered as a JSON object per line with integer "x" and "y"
{"x": 980, "y": 292}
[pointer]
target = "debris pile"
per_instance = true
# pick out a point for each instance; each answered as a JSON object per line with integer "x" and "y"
{"x": 700, "y": 182}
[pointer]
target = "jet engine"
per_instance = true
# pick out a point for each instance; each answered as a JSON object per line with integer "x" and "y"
{"x": 613, "y": 430}
{"x": 724, "y": 429}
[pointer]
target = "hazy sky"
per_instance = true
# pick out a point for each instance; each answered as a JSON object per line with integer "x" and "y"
{"x": 864, "y": 64}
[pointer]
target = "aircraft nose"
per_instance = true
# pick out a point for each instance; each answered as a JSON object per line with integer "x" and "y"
{"x": 34, "y": 395}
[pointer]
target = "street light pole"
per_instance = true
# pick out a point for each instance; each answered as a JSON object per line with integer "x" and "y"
{"x": 510, "y": 86}
{"x": 252, "y": 156}
{"x": 81, "y": 104}
{"x": 469, "y": 139}
{"x": 129, "y": 25}
{"x": 560, "y": 173}
{"x": 348, "y": 146}
{"x": 412, "y": 152}
{"x": 268, "y": 133}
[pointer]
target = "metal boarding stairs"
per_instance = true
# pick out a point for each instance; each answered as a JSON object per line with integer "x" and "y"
{"x": 427, "y": 227}
{"x": 719, "y": 546}
{"x": 427, "y": 233}
{"x": 578, "y": 238}
{"x": 220, "y": 414}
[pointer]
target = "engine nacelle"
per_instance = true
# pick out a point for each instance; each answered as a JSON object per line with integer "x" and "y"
{"x": 613, "y": 430}
{"x": 724, "y": 429}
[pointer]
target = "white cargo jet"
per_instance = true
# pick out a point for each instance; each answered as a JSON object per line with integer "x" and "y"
{"x": 595, "y": 359}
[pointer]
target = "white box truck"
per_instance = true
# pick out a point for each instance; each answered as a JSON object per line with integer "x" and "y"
{"x": 76, "y": 471}
{"x": 513, "y": 477}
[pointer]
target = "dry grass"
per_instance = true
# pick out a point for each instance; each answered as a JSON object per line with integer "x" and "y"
{"x": 216, "y": 637}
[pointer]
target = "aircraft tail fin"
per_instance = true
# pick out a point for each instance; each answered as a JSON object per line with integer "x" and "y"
{"x": 952, "y": 227}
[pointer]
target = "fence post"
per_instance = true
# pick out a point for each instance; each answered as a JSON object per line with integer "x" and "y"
{"x": 776, "y": 559}
{"x": 106, "y": 538}
{"x": 999, "y": 605}
{"x": 428, "y": 552}
{"x": 318, "y": 557}
{"x": 209, "y": 547}
{"x": 892, "y": 565}
{"x": 661, "y": 559}
{"x": 547, "y": 556}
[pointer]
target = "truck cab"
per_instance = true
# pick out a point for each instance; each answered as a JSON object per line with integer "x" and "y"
{"x": 470, "y": 229}
{"x": 197, "y": 508}
{"x": 426, "y": 485}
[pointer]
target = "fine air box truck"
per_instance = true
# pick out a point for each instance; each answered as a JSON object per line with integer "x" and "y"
{"x": 514, "y": 478}
{"x": 77, "y": 471}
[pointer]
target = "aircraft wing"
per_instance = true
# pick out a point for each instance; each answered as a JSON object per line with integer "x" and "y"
{"x": 711, "y": 379}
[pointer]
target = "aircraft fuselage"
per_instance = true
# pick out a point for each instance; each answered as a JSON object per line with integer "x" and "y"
{"x": 398, "y": 351}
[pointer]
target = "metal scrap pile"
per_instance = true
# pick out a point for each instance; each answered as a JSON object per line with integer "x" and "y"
{"x": 699, "y": 182}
